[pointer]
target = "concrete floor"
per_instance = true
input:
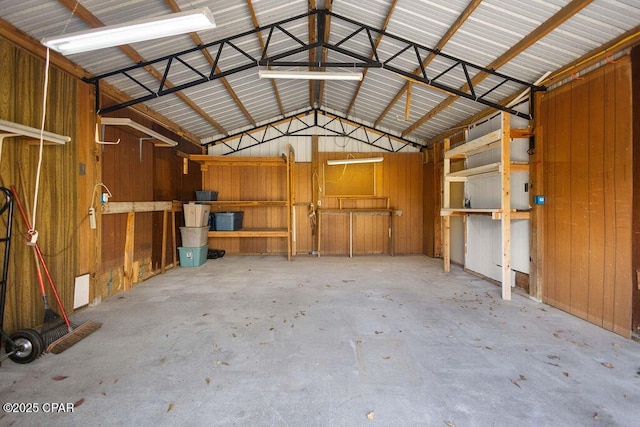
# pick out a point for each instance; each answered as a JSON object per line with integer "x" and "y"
{"x": 259, "y": 341}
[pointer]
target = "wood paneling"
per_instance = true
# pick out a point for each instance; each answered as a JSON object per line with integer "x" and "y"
{"x": 431, "y": 216}
{"x": 58, "y": 223}
{"x": 251, "y": 183}
{"x": 588, "y": 179}
{"x": 304, "y": 198}
{"x": 635, "y": 58}
{"x": 399, "y": 177}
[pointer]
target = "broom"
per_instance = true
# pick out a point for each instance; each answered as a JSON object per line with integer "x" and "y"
{"x": 57, "y": 332}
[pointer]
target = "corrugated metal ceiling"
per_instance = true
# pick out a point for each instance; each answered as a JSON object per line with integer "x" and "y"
{"x": 490, "y": 32}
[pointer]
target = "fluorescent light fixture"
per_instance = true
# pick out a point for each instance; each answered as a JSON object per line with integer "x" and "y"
{"x": 122, "y": 121}
{"x": 15, "y": 129}
{"x": 355, "y": 161}
{"x": 132, "y": 31}
{"x": 309, "y": 75}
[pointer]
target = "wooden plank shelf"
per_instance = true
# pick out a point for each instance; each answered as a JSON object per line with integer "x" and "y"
{"x": 475, "y": 146}
{"x": 248, "y": 232}
{"x": 499, "y": 139}
{"x": 489, "y": 169}
{"x": 206, "y": 160}
{"x": 245, "y": 203}
{"x": 468, "y": 211}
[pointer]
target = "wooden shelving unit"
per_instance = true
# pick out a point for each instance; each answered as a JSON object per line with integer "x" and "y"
{"x": 498, "y": 139}
{"x": 287, "y": 162}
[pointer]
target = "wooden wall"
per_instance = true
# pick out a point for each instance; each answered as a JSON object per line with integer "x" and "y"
{"x": 139, "y": 171}
{"x": 59, "y": 224}
{"x": 586, "y": 131}
{"x": 400, "y": 177}
{"x": 253, "y": 183}
{"x": 635, "y": 58}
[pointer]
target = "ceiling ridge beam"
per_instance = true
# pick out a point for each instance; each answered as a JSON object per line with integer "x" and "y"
{"x": 326, "y": 16}
{"x": 471, "y": 7}
{"x": 541, "y": 31}
{"x": 313, "y": 38}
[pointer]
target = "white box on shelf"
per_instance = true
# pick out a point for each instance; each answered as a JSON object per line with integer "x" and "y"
{"x": 194, "y": 237}
{"x": 196, "y": 215}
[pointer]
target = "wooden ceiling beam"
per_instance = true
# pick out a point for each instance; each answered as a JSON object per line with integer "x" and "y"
{"x": 198, "y": 41}
{"x": 385, "y": 24}
{"x": 325, "y": 51}
{"x": 313, "y": 37}
{"x": 90, "y": 19}
{"x": 274, "y": 85}
{"x": 24, "y": 41}
{"x": 626, "y": 40}
{"x": 471, "y": 7}
{"x": 536, "y": 35}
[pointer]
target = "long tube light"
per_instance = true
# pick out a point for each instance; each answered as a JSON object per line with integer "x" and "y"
{"x": 132, "y": 31}
{"x": 310, "y": 75}
{"x": 354, "y": 161}
{"x": 16, "y": 129}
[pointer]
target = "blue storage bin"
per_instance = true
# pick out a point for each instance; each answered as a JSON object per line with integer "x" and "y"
{"x": 228, "y": 221}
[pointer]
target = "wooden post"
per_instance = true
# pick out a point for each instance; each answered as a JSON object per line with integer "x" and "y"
{"x": 128, "y": 250}
{"x": 537, "y": 216}
{"x": 505, "y": 220}
{"x": 446, "y": 203}
{"x": 174, "y": 238}
{"x": 315, "y": 190}
{"x": 163, "y": 262}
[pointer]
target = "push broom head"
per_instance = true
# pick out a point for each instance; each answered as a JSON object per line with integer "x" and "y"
{"x": 72, "y": 337}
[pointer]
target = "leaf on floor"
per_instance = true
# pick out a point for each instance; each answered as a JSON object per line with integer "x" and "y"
{"x": 371, "y": 415}
{"x": 522, "y": 378}
{"x": 566, "y": 374}
{"x": 59, "y": 377}
{"x": 233, "y": 335}
{"x": 104, "y": 394}
{"x": 386, "y": 357}
{"x": 206, "y": 314}
{"x": 271, "y": 329}
{"x": 553, "y": 357}
{"x": 78, "y": 403}
{"x": 449, "y": 424}
{"x": 607, "y": 365}
{"x": 556, "y": 335}
{"x": 515, "y": 383}
{"x": 596, "y": 416}
{"x": 207, "y": 380}
{"x": 171, "y": 406}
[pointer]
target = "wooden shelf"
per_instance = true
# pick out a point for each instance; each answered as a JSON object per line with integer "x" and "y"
{"x": 249, "y": 232}
{"x": 489, "y": 169}
{"x": 245, "y": 203}
{"x": 206, "y": 160}
{"x": 468, "y": 211}
{"x": 475, "y": 146}
{"x": 287, "y": 161}
{"x": 499, "y": 140}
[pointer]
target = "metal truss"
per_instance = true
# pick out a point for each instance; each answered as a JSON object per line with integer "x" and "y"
{"x": 375, "y": 138}
{"x": 449, "y": 68}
